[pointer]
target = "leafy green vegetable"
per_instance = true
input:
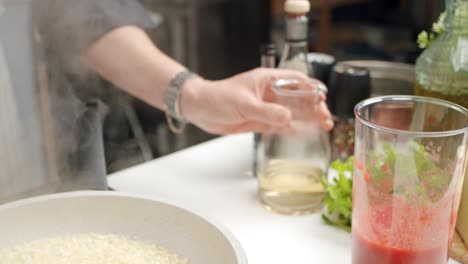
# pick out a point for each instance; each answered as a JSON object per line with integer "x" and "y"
{"x": 338, "y": 195}
{"x": 425, "y": 39}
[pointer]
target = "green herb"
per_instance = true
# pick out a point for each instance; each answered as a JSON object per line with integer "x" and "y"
{"x": 420, "y": 177}
{"x": 338, "y": 195}
{"x": 378, "y": 171}
{"x": 425, "y": 39}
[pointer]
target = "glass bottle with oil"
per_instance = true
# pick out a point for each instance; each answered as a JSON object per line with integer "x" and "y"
{"x": 442, "y": 69}
{"x": 292, "y": 161}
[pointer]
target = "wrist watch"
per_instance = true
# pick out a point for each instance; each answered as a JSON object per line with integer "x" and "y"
{"x": 174, "y": 117}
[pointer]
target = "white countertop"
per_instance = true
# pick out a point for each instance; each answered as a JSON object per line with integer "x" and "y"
{"x": 213, "y": 179}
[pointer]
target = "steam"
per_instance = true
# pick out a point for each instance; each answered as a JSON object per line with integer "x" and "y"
{"x": 66, "y": 29}
{"x": 12, "y": 154}
{"x": 69, "y": 111}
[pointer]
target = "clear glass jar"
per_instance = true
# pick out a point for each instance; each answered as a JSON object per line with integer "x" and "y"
{"x": 291, "y": 162}
{"x": 442, "y": 69}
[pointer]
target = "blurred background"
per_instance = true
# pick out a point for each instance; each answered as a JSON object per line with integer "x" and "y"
{"x": 219, "y": 38}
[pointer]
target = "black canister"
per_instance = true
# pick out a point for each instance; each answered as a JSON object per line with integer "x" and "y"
{"x": 347, "y": 86}
{"x": 322, "y": 64}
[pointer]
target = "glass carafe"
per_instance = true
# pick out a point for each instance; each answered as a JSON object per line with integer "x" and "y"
{"x": 292, "y": 161}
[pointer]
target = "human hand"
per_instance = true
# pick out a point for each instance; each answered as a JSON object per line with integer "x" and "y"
{"x": 242, "y": 103}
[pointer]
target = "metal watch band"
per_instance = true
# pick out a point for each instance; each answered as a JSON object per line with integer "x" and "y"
{"x": 172, "y": 100}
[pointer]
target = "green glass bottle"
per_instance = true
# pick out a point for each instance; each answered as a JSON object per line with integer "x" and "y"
{"x": 442, "y": 69}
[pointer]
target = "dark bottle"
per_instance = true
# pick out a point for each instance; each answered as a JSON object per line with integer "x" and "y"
{"x": 267, "y": 60}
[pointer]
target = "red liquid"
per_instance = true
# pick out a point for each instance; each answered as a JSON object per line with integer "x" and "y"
{"x": 403, "y": 234}
{"x": 366, "y": 252}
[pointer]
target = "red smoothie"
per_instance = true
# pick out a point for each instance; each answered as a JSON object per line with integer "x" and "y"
{"x": 399, "y": 218}
{"x": 367, "y": 252}
{"x": 402, "y": 234}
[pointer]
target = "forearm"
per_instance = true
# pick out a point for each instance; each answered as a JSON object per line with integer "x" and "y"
{"x": 130, "y": 60}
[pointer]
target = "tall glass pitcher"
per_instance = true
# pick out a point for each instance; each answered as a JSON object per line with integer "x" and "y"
{"x": 410, "y": 160}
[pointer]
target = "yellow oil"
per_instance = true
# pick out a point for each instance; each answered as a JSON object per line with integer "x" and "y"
{"x": 458, "y": 99}
{"x": 291, "y": 187}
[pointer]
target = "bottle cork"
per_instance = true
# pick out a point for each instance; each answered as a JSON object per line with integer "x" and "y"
{"x": 297, "y": 6}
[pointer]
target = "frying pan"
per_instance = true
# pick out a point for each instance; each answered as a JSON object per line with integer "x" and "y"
{"x": 180, "y": 231}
